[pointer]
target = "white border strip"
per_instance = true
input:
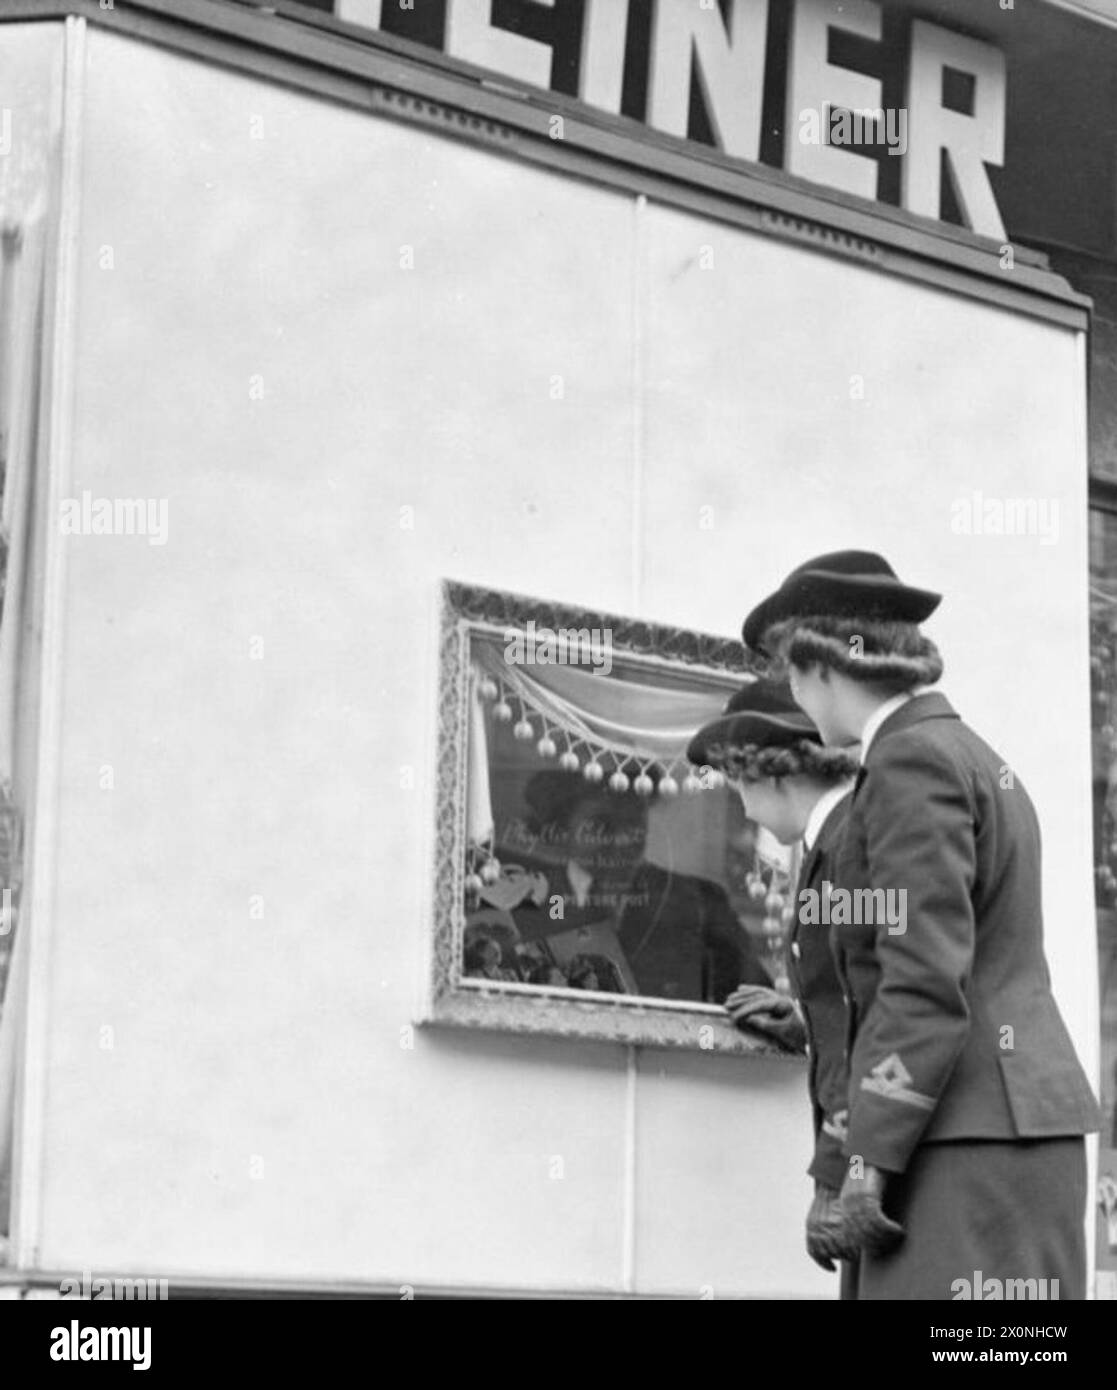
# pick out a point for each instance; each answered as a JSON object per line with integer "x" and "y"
{"x": 54, "y": 460}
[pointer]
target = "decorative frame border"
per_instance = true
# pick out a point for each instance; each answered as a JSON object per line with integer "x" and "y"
{"x": 562, "y": 1013}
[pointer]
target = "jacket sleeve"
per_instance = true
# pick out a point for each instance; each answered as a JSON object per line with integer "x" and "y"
{"x": 828, "y": 1075}
{"x": 829, "y": 1164}
{"x": 829, "y": 1090}
{"x": 917, "y": 817}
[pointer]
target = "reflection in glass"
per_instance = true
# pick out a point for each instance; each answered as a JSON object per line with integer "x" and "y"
{"x": 598, "y": 859}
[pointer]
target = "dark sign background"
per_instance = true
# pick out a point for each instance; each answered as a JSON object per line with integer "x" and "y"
{"x": 1059, "y": 184}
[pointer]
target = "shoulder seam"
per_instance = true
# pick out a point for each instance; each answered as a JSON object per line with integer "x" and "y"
{"x": 914, "y": 735}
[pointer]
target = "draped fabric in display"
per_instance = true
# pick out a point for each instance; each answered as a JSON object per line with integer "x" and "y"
{"x": 616, "y": 723}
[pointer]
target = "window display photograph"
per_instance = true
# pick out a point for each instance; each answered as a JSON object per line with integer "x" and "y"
{"x": 628, "y": 874}
{"x": 598, "y": 859}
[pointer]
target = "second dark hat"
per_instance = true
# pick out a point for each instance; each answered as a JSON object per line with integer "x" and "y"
{"x": 761, "y": 714}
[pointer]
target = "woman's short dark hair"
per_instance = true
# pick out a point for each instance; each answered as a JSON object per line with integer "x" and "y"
{"x": 890, "y": 656}
{"x": 803, "y": 758}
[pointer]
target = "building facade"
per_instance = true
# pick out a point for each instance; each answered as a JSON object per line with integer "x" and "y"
{"x": 343, "y": 339}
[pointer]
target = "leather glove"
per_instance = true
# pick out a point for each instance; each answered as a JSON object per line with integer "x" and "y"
{"x": 829, "y": 1237}
{"x": 755, "y": 1008}
{"x": 862, "y": 1203}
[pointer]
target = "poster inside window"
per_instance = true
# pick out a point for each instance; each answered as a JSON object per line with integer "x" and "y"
{"x": 591, "y": 881}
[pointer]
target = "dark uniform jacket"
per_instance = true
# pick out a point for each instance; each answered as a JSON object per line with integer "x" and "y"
{"x": 954, "y": 1033}
{"x": 679, "y": 934}
{"x": 815, "y": 983}
{"x": 682, "y": 939}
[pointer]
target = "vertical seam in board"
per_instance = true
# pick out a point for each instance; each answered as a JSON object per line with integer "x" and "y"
{"x": 628, "y": 1273}
{"x": 54, "y": 461}
{"x": 637, "y": 389}
{"x": 637, "y": 309}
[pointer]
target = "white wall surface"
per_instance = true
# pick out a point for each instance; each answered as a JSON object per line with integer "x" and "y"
{"x": 256, "y": 1115}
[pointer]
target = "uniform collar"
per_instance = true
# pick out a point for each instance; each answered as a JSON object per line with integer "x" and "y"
{"x": 819, "y": 812}
{"x": 921, "y": 706}
{"x": 882, "y": 712}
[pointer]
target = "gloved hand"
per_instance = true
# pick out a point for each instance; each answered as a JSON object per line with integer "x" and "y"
{"x": 829, "y": 1237}
{"x": 759, "y": 1009}
{"x": 862, "y": 1204}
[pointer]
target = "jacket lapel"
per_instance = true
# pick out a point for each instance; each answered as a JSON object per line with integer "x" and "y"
{"x": 806, "y": 869}
{"x": 810, "y": 863}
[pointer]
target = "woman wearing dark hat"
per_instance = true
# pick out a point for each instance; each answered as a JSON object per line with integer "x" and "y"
{"x": 797, "y": 789}
{"x": 967, "y": 1103}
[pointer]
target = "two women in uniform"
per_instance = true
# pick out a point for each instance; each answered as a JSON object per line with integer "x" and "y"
{"x": 962, "y": 1145}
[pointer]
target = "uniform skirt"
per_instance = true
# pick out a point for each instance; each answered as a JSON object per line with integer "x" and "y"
{"x": 980, "y": 1213}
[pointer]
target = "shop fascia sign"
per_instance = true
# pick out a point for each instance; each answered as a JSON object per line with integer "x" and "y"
{"x": 828, "y": 107}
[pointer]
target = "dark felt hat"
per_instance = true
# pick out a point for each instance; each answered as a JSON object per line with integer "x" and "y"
{"x": 553, "y": 795}
{"x": 761, "y": 714}
{"x": 846, "y": 583}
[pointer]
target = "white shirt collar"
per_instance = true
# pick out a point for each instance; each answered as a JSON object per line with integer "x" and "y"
{"x": 881, "y": 713}
{"x": 820, "y": 810}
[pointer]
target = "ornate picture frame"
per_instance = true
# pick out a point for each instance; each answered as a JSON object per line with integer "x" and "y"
{"x": 470, "y": 617}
